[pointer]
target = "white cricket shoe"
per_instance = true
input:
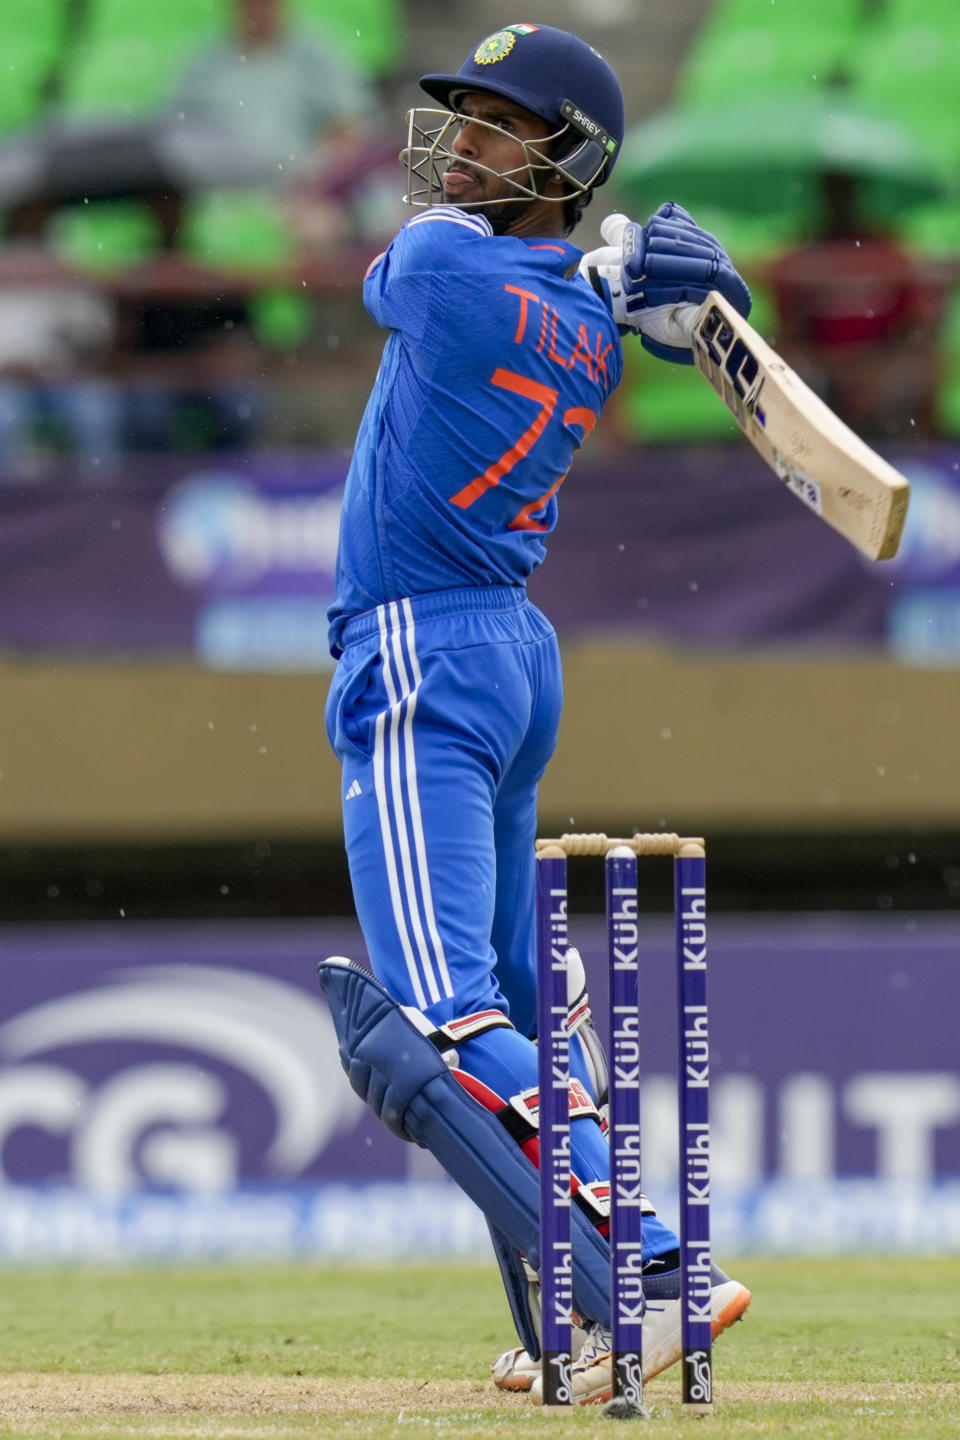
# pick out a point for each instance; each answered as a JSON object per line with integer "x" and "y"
{"x": 592, "y": 1371}
{"x": 515, "y": 1370}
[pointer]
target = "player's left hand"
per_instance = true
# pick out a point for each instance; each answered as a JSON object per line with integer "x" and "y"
{"x": 657, "y": 276}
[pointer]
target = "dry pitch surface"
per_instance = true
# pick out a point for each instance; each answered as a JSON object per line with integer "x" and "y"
{"x": 42, "y": 1406}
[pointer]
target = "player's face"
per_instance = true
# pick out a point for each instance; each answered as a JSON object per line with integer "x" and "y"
{"x": 492, "y": 146}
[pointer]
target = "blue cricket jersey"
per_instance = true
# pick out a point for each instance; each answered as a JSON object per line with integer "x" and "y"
{"x": 499, "y": 362}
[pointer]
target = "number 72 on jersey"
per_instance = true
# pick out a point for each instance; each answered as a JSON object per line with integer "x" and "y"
{"x": 814, "y": 453}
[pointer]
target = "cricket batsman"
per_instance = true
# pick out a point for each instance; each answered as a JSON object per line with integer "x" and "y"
{"x": 503, "y": 347}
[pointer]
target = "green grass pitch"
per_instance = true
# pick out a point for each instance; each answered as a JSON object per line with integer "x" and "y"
{"x": 848, "y": 1349}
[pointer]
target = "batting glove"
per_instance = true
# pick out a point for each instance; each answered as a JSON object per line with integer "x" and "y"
{"x": 656, "y": 276}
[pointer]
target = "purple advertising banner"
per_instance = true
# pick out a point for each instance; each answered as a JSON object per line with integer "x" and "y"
{"x": 168, "y": 1089}
{"x": 232, "y": 559}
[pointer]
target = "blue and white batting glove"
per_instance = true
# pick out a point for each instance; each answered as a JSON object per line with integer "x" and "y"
{"x": 656, "y": 276}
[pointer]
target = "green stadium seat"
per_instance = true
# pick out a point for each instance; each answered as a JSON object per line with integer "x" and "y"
{"x": 236, "y": 229}
{"x": 933, "y": 229}
{"x": 909, "y": 72}
{"x": 901, "y": 14}
{"x": 370, "y": 32}
{"x": 29, "y": 39}
{"x": 106, "y": 235}
{"x": 227, "y": 230}
{"x": 751, "y": 46}
{"x": 132, "y": 51}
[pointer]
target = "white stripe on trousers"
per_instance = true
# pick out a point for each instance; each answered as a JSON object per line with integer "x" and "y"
{"x": 394, "y": 753}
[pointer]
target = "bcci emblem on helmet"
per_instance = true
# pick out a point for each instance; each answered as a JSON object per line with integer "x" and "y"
{"x": 500, "y": 43}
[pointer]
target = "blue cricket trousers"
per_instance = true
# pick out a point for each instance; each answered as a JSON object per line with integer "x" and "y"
{"x": 444, "y": 711}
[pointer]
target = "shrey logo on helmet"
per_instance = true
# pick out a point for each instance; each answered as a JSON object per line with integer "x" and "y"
{"x": 553, "y": 74}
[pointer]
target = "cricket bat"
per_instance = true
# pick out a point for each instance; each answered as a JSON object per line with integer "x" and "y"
{"x": 819, "y": 458}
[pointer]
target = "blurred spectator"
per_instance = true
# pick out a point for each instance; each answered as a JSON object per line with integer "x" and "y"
{"x": 284, "y": 91}
{"x": 56, "y": 331}
{"x": 859, "y": 317}
{"x": 294, "y": 97}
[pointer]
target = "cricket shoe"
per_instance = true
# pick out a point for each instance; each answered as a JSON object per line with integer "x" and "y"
{"x": 592, "y": 1373}
{"x": 515, "y": 1370}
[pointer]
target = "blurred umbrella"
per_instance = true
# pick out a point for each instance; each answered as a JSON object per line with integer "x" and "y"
{"x": 62, "y": 164}
{"x": 766, "y": 157}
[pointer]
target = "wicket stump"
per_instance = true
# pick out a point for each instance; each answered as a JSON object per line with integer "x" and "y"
{"x": 626, "y": 1199}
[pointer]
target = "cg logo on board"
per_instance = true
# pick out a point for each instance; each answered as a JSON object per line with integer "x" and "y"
{"x": 177, "y": 1077}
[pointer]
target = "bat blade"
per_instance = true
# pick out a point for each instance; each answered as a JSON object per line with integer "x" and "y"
{"x": 819, "y": 458}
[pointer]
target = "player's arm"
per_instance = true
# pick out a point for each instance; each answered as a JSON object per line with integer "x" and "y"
{"x": 655, "y": 276}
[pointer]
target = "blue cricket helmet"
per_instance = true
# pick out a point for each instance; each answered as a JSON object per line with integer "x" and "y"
{"x": 557, "y": 76}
